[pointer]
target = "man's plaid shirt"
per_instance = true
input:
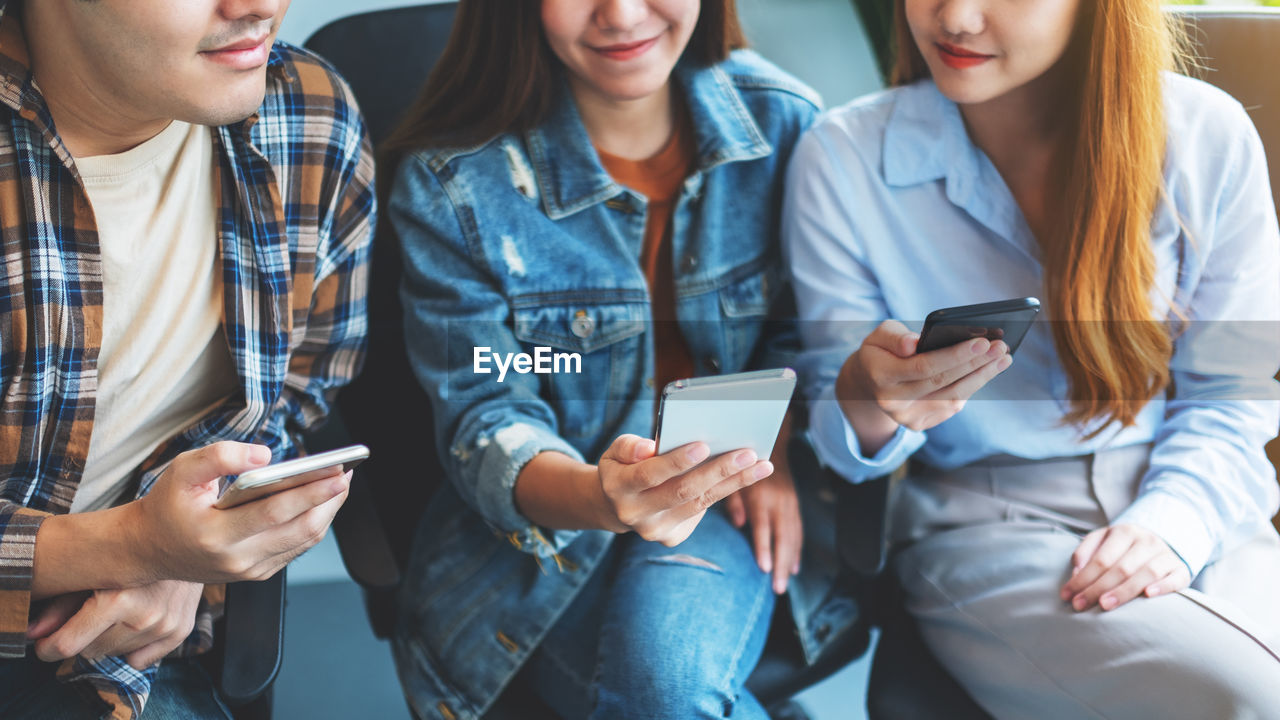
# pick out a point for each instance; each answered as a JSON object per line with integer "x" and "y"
{"x": 295, "y": 225}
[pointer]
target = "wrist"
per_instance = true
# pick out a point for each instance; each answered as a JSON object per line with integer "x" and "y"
{"x": 136, "y": 545}
{"x": 591, "y": 487}
{"x": 873, "y": 426}
{"x": 97, "y": 550}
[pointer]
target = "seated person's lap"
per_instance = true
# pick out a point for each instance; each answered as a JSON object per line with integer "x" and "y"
{"x": 986, "y": 598}
{"x": 660, "y": 624}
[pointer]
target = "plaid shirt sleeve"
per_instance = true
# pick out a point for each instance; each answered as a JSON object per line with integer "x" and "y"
{"x": 18, "y": 528}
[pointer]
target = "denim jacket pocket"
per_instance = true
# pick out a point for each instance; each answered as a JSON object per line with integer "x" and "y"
{"x": 752, "y": 292}
{"x": 597, "y": 355}
{"x": 745, "y": 302}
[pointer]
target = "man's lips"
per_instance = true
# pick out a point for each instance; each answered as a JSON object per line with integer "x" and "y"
{"x": 626, "y": 51}
{"x": 243, "y": 54}
{"x": 960, "y": 58}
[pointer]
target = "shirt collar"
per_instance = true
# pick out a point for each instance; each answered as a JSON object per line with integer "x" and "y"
{"x": 15, "y": 61}
{"x": 926, "y": 140}
{"x": 570, "y": 175}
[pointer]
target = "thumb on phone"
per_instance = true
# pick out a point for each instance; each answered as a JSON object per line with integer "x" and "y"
{"x": 907, "y": 343}
{"x": 221, "y": 458}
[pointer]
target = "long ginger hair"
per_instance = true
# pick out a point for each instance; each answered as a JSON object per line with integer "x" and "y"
{"x": 1099, "y": 266}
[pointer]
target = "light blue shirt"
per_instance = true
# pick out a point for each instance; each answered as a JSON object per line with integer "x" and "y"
{"x": 892, "y": 212}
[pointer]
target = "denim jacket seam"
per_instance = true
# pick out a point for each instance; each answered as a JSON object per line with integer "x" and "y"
{"x": 756, "y": 82}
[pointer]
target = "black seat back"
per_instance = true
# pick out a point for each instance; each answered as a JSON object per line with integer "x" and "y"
{"x": 385, "y": 56}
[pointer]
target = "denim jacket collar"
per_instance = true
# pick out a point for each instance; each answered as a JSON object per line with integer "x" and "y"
{"x": 569, "y": 173}
{"x": 926, "y": 140}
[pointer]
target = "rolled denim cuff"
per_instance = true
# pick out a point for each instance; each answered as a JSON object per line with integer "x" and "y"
{"x": 501, "y": 455}
{"x": 837, "y": 446}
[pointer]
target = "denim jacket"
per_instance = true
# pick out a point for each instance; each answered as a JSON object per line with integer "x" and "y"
{"x": 526, "y": 242}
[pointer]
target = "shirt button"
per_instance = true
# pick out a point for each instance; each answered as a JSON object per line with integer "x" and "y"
{"x": 689, "y": 264}
{"x": 648, "y": 382}
{"x": 713, "y": 363}
{"x": 583, "y": 325}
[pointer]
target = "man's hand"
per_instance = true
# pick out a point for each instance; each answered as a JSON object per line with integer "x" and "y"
{"x": 143, "y": 624}
{"x": 1116, "y": 564}
{"x": 184, "y": 537}
{"x": 773, "y": 509}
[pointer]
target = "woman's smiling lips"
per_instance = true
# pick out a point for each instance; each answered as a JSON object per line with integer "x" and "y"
{"x": 626, "y": 51}
{"x": 959, "y": 58}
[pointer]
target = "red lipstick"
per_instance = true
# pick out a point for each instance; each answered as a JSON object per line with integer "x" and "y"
{"x": 627, "y": 51}
{"x": 959, "y": 58}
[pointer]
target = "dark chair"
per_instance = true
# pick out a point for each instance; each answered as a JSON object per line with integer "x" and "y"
{"x": 248, "y": 646}
{"x": 385, "y": 56}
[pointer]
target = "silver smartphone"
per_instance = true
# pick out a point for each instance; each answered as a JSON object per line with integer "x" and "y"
{"x": 727, "y": 412}
{"x": 257, "y": 483}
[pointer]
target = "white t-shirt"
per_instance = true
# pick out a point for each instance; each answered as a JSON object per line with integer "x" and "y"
{"x": 164, "y": 360}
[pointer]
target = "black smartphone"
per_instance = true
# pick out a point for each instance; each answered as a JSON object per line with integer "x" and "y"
{"x": 1006, "y": 320}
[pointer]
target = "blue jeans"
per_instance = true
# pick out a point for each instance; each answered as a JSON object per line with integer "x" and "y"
{"x": 29, "y": 691}
{"x": 661, "y": 632}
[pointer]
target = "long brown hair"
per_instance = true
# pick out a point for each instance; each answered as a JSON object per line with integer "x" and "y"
{"x": 1099, "y": 266}
{"x": 497, "y": 72}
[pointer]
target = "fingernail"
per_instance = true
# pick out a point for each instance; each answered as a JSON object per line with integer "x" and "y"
{"x": 763, "y": 470}
{"x": 1003, "y": 363}
{"x": 698, "y": 452}
{"x": 1078, "y": 603}
{"x": 766, "y": 564}
{"x": 979, "y": 346}
{"x": 1065, "y": 594}
{"x": 795, "y": 569}
{"x": 337, "y": 486}
{"x": 779, "y": 587}
{"x": 259, "y": 454}
{"x": 1107, "y": 602}
{"x": 744, "y": 459}
{"x": 1152, "y": 592}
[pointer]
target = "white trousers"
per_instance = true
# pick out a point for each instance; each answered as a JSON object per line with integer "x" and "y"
{"x": 986, "y": 549}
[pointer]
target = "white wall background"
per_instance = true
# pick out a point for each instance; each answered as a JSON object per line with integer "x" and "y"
{"x": 820, "y": 41}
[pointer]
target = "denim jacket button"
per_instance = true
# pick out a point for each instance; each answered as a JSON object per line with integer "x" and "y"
{"x": 583, "y": 325}
{"x": 648, "y": 382}
{"x": 713, "y": 363}
{"x": 690, "y": 263}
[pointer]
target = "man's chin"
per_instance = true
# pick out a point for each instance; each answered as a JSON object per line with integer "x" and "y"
{"x": 232, "y": 110}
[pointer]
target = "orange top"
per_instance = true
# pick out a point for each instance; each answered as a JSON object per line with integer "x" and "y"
{"x": 659, "y": 178}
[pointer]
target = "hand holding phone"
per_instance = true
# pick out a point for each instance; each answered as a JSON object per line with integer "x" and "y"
{"x": 898, "y": 379}
{"x": 662, "y": 497}
{"x": 281, "y": 476}
{"x": 181, "y": 535}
